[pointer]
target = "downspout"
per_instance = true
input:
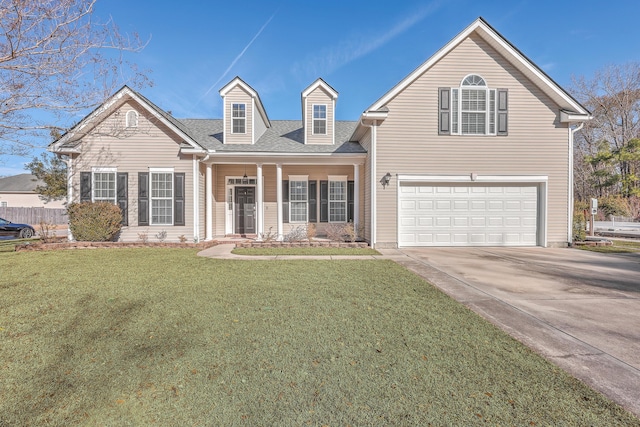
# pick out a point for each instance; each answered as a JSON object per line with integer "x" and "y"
{"x": 571, "y": 197}
{"x": 372, "y": 177}
{"x": 69, "y": 189}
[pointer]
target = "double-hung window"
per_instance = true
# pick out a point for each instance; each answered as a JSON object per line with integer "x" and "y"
{"x": 298, "y": 198}
{"x": 473, "y": 109}
{"x": 319, "y": 119}
{"x": 104, "y": 185}
{"x": 238, "y": 118}
{"x": 161, "y": 196}
{"x": 337, "y": 199}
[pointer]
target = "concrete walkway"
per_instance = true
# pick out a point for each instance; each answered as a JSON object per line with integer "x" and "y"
{"x": 578, "y": 309}
{"x": 223, "y": 251}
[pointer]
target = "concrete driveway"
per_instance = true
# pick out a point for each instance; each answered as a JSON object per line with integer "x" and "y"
{"x": 580, "y": 310}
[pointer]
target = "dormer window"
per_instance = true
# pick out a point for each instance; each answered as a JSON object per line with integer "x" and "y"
{"x": 319, "y": 119}
{"x": 239, "y": 118}
{"x": 131, "y": 119}
{"x": 472, "y": 109}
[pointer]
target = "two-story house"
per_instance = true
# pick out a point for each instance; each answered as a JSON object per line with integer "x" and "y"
{"x": 474, "y": 147}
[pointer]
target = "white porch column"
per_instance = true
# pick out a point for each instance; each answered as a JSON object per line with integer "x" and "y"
{"x": 70, "y": 189}
{"x": 356, "y": 197}
{"x": 259, "y": 207}
{"x": 374, "y": 181}
{"x": 209, "y": 206}
{"x": 196, "y": 199}
{"x": 279, "y": 201}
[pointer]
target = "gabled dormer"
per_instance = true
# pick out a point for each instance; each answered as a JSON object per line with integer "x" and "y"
{"x": 318, "y": 113}
{"x": 244, "y": 116}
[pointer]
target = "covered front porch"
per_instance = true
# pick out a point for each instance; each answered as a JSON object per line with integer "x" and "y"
{"x": 264, "y": 198}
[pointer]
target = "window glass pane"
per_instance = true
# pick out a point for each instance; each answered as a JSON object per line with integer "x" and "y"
{"x": 298, "y": 190}
{"x": 104, "y": 187}
{"x": 298, "y": 193}
{"x": 161, "y": 210}
{"x": 319, "y": 111}
{"x": 238, "y": 114}
{"x": 320, "y": 127}
{"x": 337, "y": 201}
{"x": 161, "y": 198}
{"x": 320, "y": 119}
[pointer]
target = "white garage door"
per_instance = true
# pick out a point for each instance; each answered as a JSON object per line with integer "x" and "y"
{"x": 467, "y": 215}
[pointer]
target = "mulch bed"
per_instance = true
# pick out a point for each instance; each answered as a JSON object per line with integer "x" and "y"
{"x": 93, "y": 245}
{"x": 323, "y": 244}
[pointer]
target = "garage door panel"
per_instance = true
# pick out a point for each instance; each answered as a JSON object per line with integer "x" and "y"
{"x": 468, "y": 215}
{"x": 425, "y": 221}
{"x": 425, "y": 205}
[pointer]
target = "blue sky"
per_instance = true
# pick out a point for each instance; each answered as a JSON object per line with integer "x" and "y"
{"x": 361, "y": 48}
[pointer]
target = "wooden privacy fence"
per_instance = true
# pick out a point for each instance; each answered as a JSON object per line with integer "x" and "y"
{"x": 33, "y": 216}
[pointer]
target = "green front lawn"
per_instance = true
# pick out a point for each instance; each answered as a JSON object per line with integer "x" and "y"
{"x": 161, "y": 336}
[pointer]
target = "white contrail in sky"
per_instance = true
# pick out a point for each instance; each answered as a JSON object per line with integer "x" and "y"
{"x": 238, "y": 57}
{"x": 330, "y": 59}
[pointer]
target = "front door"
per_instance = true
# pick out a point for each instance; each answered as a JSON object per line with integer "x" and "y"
{"x": 245, "y": 210}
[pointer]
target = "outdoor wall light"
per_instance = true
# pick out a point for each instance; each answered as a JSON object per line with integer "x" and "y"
{"x": 385, "y": 180}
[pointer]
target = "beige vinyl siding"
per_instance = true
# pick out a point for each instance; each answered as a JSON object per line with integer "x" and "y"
{"x": 29, "y": 200}
{"x": 259, "y": 124}
{"x": 319, "y": 97}
{"x": 537, "y": 144}
{"x": 134, "y": 150}
{"x": 237, "y": 95}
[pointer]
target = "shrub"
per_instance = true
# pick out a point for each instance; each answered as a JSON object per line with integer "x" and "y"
{"x": 47, "y": 231}
{"x": 144, "y": 236}
{"x": 162, "y": 235}
{"x": 297, "y": 234}
{"x": 335, "y": 232}
{"x": 614, "y": 206}
{"x": 94, "y": 222}
{"x": 579, "y": 226}
{"x": 311, "y": 231}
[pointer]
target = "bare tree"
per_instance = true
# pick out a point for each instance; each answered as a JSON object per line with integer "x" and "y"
{"x": 56, "y": 58}
{"x": 605, "y": 148}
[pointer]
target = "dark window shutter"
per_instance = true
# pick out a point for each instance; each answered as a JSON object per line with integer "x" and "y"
{"x": 324, "y": 201}
{"x": 285, "y": 201}
{"x": 178, "y": 198}
{"x": 143, "y": 198}
{"x": 313, "y": 201}
{"x": 444, "y": 111}
{"x": 85, "y": 186}
{"x": 350, "y": 188}
{"x": 123, "y": 202}
{"x": 503, "y": 108}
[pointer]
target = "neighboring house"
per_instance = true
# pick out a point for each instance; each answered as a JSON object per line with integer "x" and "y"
{"x": 19, "y": 191}
{"x": 473, "y": 148}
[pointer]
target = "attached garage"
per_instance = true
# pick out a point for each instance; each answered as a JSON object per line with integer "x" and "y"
{"x": 470, "y": 213}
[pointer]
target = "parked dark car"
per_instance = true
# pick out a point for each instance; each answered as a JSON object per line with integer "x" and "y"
{"x": 23, "y": 231}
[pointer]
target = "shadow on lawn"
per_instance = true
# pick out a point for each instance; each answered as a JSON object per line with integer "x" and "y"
{"x": 97, "y": 356}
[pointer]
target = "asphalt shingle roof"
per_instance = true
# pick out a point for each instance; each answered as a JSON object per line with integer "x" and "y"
{"x": 284, "y": 136}
{"x": 23, "y": 182}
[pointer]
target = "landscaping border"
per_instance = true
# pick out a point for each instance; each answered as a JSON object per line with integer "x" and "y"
{"x": 26, "y": 247}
